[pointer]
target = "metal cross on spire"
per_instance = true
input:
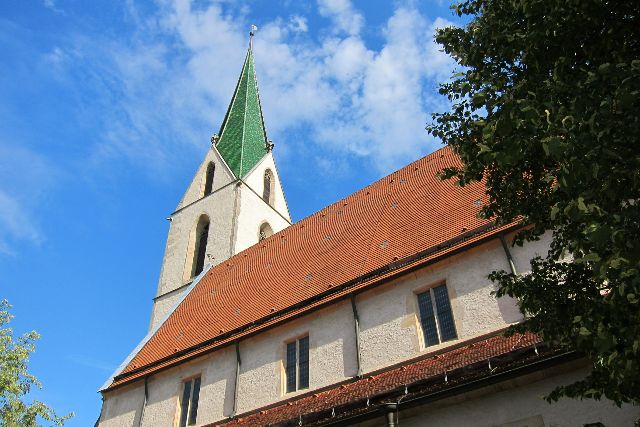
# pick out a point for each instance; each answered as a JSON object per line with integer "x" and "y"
{"x": 254, "y": 28}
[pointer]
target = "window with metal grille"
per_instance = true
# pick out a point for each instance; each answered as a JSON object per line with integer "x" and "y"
{"x": 297, "y": 365}
{"x": 189, "y": 402}
{"x": 436, "y": 317}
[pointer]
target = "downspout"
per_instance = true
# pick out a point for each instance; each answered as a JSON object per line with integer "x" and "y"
{"x": 505, "y": 246}
{"x": 144, "y": 402}
{"x": 391, "y": 409}
{"x": 237, "y": 382}
{"x": 356, "y": 323}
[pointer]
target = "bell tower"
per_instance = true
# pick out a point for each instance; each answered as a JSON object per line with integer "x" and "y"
{"x": 234, "y": 200}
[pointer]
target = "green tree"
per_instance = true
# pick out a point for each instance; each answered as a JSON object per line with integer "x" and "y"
{"x": 16, "y": 382}
{"x": 546, "y": 111}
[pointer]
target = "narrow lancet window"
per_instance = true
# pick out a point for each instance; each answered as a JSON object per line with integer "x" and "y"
{"x": 200, "y": 245}
{"x": 208, "y": 179}
{"x": 267, "y": 192}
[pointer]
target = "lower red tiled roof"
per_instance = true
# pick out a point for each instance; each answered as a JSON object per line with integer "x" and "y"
{"x": 406, "y": 218}
{"x": 377, "y": 384}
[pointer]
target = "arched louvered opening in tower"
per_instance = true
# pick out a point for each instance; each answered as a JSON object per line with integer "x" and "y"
{"x": 268, "y": 187}
{"x": 197, "y": 249}
{"x": 208, "y": 179}
{"x": 264, "y": 231}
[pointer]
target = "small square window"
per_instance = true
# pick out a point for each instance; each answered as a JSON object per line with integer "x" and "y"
{"x": 297, "y": 365}
{"x": 189, "y": 402}
{"x": 436, "y": 317}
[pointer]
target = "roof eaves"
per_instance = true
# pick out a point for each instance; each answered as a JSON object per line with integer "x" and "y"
{"x": 224, "y": 162}
{"x": 391, "y": 271}
{"x": 461, "y": 366}
{"x": 153, "y": 331}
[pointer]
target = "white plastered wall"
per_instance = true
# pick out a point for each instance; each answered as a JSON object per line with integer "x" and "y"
{"x": 389, "y": 325}
{"x": 221, "y": 177}
{"x": 522, "y": 255}
{"x": 390, "y": 333}
{"x": 332, "y": 356}
{"x": 123, "y": 407}
{"x": 332, "y": 359}
{"x": 254, "y": 179}
{"x": 253, "y": 211}
{"x": 216, "y": 390}
{"x": 217, "y": 373}
{"x": 519, "y": 403}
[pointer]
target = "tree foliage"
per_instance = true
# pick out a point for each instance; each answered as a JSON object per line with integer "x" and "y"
{"x": 15, "y": 380}
{"x": 546, "y": 110}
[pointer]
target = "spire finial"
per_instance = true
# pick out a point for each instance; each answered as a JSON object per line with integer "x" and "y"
{"x": 254, "y": 28}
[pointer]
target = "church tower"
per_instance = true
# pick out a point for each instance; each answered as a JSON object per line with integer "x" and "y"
{"x": 234, "y": 200}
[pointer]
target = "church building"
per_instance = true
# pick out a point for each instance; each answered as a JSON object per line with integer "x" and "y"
{"x": 376, "y": 310}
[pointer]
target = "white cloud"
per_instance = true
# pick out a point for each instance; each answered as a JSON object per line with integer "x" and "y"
{"x": 91, "y": 362}
{"x": 51, "y": 5}
{"x": 177, "y": 75}
{"x": 298, "y": 24}
{"x": 24, "y": 177}
{"x": 344, "y": 16}
{"x": 347, "y": 58}
{"x": 16, "y": 224}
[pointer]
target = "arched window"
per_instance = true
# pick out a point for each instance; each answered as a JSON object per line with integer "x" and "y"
{"x": 265, "y": 231}
{"x": 267, "y": 191}
{"x": 208, "y": 179}
{"x": 197, "y": 248}
{"x": 201, "y": 248}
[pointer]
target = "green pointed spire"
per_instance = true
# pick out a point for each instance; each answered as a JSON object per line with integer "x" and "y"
{"x": 243, "y": 139}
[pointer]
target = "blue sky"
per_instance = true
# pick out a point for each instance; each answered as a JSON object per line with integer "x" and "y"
{"x": 107, "y": 108}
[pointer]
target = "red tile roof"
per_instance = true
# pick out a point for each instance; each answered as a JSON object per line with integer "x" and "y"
{"x": 404, "y": 219}
{"x": 377, "y": 384}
